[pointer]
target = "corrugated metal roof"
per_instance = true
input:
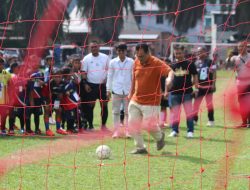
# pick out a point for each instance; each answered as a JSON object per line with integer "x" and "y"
{"x": 138, "y": 36}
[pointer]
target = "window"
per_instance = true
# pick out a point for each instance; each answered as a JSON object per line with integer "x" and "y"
{"x": 208, "y": 22}
{"x": 159, "y": 19}
{"x": 138, "y": 18}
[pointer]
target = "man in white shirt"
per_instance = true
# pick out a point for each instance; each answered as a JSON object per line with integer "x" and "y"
{"x": 119, "y": 84}
{"x": 95, "y": 66}
{"x": 242, "y": 67}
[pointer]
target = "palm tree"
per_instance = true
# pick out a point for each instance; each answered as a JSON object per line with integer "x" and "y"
{"x": 190, "y": 12}
{"x": 182, "y": 14}
{"x": 23, "y": 16}
{"x": 105, "y": 17}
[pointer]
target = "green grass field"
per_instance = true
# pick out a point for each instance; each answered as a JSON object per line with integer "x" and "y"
{"x": 177, "y": 167}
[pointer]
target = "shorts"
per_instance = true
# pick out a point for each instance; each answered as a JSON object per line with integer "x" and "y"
{"x": 164, "y": 103}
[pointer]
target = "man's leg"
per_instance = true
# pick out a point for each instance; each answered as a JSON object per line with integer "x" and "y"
{"x": 28, "y": 112}
{"x": 150, "y": 122}
{"x": 12, "y": 117}
{"x": 116, "y": 104}
{"x": 242, "y": 110}
{"x": 21, "y": 118}
{"x": 102, "y": 91}
{"x": 163, "y": 113}
{"x": 134, "y": 122}
{"x": 210, "y": 106}
{"x": 175, "y": 112}
{"x": 125, "y": 104}
{"x": 4, "y": 112}
{"x": 90, "y": 104}
{"x": 188, "y": 110}
{"x": 46, "y": 116}
{"x": 197, "y": 103}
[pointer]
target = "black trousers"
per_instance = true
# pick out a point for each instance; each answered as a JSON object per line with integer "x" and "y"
{"x": 98, "y": 91}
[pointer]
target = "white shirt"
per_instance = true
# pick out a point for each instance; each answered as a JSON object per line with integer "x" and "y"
{"x": 120, "y": 76}
{"x": 96, "y": 67}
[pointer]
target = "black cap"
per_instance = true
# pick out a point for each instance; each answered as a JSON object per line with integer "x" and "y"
{"x": 122, "y": 47}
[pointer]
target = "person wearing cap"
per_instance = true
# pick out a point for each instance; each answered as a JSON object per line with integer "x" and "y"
{"x": 5, "y": 77}
{"x": 119, "y": 84}
{"x": 145, "y": 97}
{"x": 94, "y": 68}
{"x": 207, "y": 78}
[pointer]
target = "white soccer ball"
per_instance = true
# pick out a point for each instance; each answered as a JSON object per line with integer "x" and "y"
{"x": 103, "y": 152}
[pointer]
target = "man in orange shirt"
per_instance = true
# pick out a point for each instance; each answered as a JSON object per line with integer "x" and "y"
{"x": 145, "y": 95}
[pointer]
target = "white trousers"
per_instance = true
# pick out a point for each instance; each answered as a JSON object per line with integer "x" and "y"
{"x": 117, "y": 102}
{"x": 143, "y": 117}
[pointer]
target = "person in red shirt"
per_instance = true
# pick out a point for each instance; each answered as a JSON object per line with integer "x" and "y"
{"x": 145, "y": 97}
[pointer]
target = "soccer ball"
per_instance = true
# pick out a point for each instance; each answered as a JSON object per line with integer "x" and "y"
{"x": 103, "y": 152}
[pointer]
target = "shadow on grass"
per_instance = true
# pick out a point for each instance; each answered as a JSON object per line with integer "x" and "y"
{"x": 153, "y": 141}
{"x": 186, "y": 158}
{"x": 218, "y": 140}
{"x": 210, "y": 139}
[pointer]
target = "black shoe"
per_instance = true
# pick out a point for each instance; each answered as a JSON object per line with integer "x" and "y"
{"x": 161, "y": 143}
{"x": 91, "y": 128}
{"x": 139, "y": 151}
{"x": 38, "y": 132}
{"x": 29, "y": 132}
{"x": 75, "y": 130}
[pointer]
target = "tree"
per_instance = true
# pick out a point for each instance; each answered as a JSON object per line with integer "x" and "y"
{"x": 105, "y": 17}
{"x": 183, "y": 14}
{"x": 22, "y": 15}
{"x": 190, "y": 12}
{"x": 243, "y": 18}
